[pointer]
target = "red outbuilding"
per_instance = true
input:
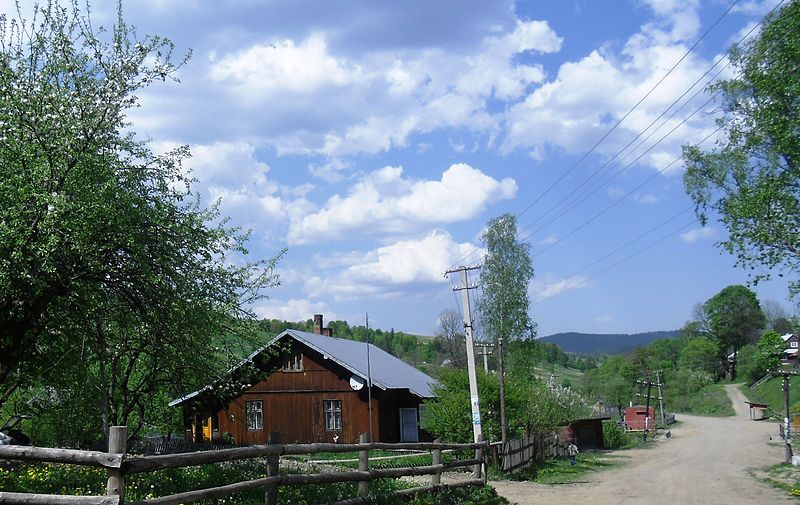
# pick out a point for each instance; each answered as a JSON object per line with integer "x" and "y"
{"x": 637, "y": 418}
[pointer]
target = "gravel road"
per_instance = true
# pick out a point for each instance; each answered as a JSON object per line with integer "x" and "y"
{"x": 705, "y": 462}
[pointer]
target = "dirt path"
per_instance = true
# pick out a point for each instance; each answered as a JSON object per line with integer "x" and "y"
{"x": 705, "y": 462}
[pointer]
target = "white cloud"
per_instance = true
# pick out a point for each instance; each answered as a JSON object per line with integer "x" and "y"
{"x": 547, "y": 286}
{"x": 302, "y": 96}
{"x": 696, "y": 234}
{"x": 293, "y": 310}
{"x": 588, "y": 96}
{"x": 282, "y": 66}
{"x": 604, "y": 319}
{"x": 393, "y": 268}
{"x": 646, "y": 199}
{"x": 385, "y": 201}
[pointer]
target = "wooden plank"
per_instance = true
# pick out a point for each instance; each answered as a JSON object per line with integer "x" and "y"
{"x": 53, "y": 499}
{"x": 139, "y": 464}
{"x": 204, "y": 494}
{"x": 301, "y": 479}
{"x": 69, "y": 456}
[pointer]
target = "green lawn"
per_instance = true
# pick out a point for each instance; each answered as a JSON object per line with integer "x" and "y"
{"x": 771, "y": 393}
{"x": 710, "y": 400}
{"x": 559, "y": 470}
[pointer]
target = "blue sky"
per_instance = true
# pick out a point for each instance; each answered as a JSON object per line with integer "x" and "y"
{"x": 376, "y": 139}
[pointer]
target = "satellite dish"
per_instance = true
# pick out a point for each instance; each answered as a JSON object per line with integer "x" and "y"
{"x": 357, "y": 382}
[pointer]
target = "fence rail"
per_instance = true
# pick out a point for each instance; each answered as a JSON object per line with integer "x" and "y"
{"x": 119, "y": 465}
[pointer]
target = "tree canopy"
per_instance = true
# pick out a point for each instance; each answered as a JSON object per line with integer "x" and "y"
{"x": 751, "y": 180}
{"x": 108, "y": 262}
{"x": 505, "y": 275}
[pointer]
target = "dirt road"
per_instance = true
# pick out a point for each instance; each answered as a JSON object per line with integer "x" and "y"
{"x": 705, "y": 462}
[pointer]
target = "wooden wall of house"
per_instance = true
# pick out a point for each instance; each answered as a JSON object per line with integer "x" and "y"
{"x": 293, "y": 405}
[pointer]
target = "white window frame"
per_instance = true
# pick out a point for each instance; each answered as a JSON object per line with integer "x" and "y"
{"x": 793, "y": 344}
{"x": 254, "y": 411}
{"x": 332, "y": 410}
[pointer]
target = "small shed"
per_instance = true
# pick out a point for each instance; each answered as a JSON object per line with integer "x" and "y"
{"x": 639, "y": 418}
{"x": 757, "y": 410}
{"x": 588, "y": 433}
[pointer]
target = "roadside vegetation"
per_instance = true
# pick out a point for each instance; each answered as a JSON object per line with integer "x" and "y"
{"x": 86, "y": 481}
{"x": 730, "y": 339}
{"x": 771, "y": 393}
{"x": 782, "y": 476}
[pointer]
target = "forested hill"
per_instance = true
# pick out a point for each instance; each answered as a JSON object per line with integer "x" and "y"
{"x": 599, "y": 343}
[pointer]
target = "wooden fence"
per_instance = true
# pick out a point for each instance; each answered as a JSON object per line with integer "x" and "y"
{"x": 119, "y": 465}
{"x": 518, "y": 454}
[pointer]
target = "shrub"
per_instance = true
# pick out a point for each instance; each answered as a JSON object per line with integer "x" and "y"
{"x": 613, "y": 435}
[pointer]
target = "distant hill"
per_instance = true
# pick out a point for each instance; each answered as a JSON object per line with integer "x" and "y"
{"x": 599, "y": 343}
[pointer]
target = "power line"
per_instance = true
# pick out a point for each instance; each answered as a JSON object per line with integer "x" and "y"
{"x": 614, "y": 265}
{"x": 602, "y": 139}
{"x": 623, "y": 197}
{"x": 646, "y": 95}
{"x": 621, "y": 170}
{"x": 631, "y": 151}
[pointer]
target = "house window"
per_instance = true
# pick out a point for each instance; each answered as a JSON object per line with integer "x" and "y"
{"x": 793, "y": 344}
{"x": 333, "y": 414}
{"x": 294, "y": 362}
{"x": 255, "y": 415}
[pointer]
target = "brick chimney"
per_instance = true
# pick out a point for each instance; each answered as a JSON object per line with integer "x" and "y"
{"x": 318, "y": 324}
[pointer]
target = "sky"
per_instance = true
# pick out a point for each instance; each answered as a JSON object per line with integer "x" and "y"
{"x": 375, "y": 139}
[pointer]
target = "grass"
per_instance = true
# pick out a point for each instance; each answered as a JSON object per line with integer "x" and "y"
{"x": 782, "y": 476}
{"x": 573, "y": 375}
{"x": 559, "y": 470}
{"x": 710, "y": 400}
{"x": 378, "y": 459}
{"x": 771, "y": 393}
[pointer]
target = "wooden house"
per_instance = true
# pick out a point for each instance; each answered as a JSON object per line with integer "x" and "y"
{"x": 311, "y": 387}
{"x": 638, "y": 417}
{"x": 789, "y": 356}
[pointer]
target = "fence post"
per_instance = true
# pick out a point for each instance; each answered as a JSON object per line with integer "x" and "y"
{"x": 117, "y": 439}
{"x": 479, "y": 454}
{"x": 436, "y": 459}
{"x": 363, "y": 465}
{"x": 271, "y": 496}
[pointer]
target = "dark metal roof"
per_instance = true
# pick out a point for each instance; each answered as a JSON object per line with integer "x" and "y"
{"x": 387, "y": 371}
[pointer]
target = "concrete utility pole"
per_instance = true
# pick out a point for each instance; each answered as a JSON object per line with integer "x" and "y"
{"x": 474, "y": 402}
{"x": 484, "y": 347}
{"x": 660, "y": 384}
{"x": 649, "y": 385}
{"x": 787, "y": 424}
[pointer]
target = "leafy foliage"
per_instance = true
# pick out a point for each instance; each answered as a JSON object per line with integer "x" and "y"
{"x": 505, "y": 274}
{"x": 111, "y": 271}
{"x": 751, "y": 179}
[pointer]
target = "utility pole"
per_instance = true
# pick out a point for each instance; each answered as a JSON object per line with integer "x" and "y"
{"x": 484, "y": 347}
{"x": 660, "y": 384}
{"x": 369, "y": 381}
{"x": 474, "y": 402}
{"x": 649, "y": 385}
{"x": 787, "y": 424}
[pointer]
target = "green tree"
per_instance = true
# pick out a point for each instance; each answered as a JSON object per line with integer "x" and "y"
{"x": 769, "y": 349}
{"x": 505, "y": 275}
{"x": 751, "y": 180}
{"x": 448, "y": 415}
{"x": 105, "y": 254}
{"x": 701, "y": 353}
{"x": 734, "y": 317}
